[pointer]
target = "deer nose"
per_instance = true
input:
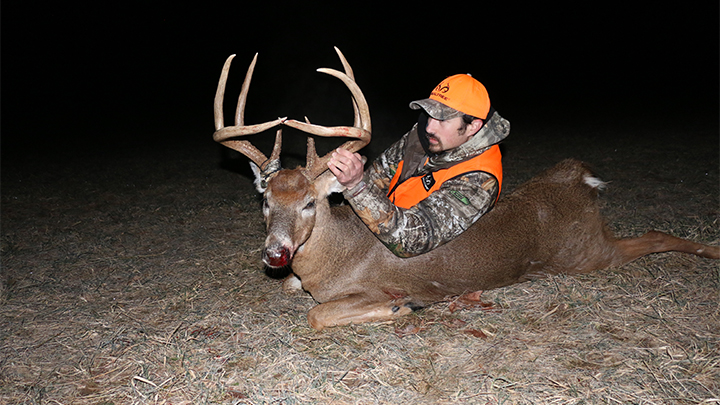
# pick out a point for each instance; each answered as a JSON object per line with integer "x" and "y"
{"x": 276, "y": 257}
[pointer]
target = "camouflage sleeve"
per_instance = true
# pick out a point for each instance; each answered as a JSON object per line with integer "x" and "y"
{"x": 441, "y": 217}
{"x": 383, "y": 168}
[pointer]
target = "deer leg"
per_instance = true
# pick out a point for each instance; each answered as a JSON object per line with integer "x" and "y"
{"x": 291, "y": 284}
{"x": 656, "y": 242}
{"x": 358, "y": 308}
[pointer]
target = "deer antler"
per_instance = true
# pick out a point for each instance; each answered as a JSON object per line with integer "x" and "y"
{"x": 224, "y": 134}
{"x": 361, "y": 129}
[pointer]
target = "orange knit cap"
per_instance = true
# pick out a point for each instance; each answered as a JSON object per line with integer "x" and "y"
{"x": 461, "y": 93}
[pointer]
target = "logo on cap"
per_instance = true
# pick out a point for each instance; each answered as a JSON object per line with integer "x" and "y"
{"x": 440, "y": 90}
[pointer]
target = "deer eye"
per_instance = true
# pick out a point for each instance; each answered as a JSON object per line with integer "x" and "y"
{"x": 310, "y": 205}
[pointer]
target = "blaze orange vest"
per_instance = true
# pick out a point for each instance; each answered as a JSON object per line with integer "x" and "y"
{"x": 415, "y": 189}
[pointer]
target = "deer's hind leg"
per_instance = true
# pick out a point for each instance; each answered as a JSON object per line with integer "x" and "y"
{"x": 358, "y": 308}
{"x": 656, "y": 242}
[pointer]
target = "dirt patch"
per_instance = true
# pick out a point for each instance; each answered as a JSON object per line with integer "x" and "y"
{"x": 135, "y": 277}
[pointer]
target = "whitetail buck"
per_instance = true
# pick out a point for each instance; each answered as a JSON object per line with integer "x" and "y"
{"x": 549, "y": 225}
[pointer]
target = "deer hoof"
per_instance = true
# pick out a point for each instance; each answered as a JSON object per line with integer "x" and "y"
{"x": 413, "y": 306}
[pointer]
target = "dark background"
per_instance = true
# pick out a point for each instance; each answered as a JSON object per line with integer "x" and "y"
{"x": 98, "y": 76}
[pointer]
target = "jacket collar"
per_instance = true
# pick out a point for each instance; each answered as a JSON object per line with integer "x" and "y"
{"x": 492, "y": 132}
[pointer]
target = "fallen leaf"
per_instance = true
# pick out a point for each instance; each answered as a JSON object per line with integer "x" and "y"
{"x": 476, "y": 333}
{"x": 409, "y": 329}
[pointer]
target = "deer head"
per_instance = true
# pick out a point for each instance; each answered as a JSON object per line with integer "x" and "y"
{"x": 291, "y": 197}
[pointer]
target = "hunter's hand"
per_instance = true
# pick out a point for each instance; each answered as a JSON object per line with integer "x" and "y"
{"x": 347, "y": 167}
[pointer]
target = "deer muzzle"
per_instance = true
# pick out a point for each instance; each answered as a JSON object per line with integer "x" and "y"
{"x": 277, "y": 256}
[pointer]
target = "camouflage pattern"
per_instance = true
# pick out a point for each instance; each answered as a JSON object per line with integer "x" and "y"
{"x": 436, "y": 109}
{"x": 442, "y": 216}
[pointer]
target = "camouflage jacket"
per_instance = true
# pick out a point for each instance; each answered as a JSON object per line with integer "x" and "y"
{"x": 444, "y": 214}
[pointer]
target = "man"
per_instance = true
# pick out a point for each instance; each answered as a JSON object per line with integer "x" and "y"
{"x": 438, "y": 179}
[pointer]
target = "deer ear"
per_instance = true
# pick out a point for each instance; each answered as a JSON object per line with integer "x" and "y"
{"x": 261, "y": 177}
{"x": 326, "y": 184}
{"x": 260, "y": 182}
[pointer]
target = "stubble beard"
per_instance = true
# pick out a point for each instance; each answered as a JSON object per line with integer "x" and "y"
{"x": 434, "y": 147}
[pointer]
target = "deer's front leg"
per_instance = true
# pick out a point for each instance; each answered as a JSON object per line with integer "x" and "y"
{"x": 292, "y": 284}
{"x": 358, "y": 308}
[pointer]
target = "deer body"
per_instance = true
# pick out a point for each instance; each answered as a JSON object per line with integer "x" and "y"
{"x": 549, "y": 225}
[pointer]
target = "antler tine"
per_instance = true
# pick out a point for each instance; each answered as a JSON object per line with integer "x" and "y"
{"x": 349, "y": 72}
{"x": 362, "y": 129}
{"x": 224, "y": 134}
{"x": 312, "y": 161}
{"x": 220, "y": 93}
{"x": 242, "y": 98}
{"x": 254, "y": 154}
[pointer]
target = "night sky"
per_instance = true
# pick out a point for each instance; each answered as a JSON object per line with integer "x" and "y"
{"x": 115, "y": 73}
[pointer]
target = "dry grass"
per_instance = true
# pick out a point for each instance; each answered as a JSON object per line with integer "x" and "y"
{"x": 136, "y": 279}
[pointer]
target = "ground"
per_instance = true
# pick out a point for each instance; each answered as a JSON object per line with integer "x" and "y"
{"x": 133, "y": 275}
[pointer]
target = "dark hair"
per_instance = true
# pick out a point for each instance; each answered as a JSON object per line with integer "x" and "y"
{"x": 467, "y": 120}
